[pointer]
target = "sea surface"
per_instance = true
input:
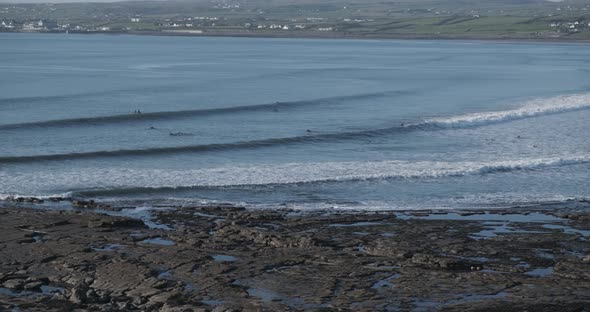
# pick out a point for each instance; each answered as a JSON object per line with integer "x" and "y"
{"x": 348, "y": 124}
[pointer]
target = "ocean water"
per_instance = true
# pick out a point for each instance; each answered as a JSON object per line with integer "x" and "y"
{"x": 349, "y": 124}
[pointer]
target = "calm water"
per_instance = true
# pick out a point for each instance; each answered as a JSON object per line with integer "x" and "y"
{"x": 301, "y": 123}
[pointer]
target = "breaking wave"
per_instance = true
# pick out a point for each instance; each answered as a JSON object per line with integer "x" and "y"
{"x": 97, "y": 181}
{"x": 534, "y": 108}
{"x": 44, "y": 197}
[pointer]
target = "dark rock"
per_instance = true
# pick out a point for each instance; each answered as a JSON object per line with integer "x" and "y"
{"x": 26, "y": 241}
{"x": 48, "y": 259}
{"x": 78, "y": 294}
{"x": 291, "y": 261}
{"x": 58, "y": 199}
{"x": 435, "y": 262}
{"x": 129, "y": 223}
{"x": 42, "y": 280}
{"x": 14, "y": 284}
{"x": 83, "y": 203}
{"x": 33, "y": 286}
{"x": 58, "y": 223}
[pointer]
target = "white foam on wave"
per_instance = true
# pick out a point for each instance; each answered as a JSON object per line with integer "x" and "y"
{"x": 292, "y": 173}
{"x": 533, "y": 108}
{"x": 44, "y": 197}
{"x": 500, "y": 200}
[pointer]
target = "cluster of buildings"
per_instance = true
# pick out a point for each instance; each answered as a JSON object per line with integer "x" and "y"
{"x": 35, "y": 25}
{"x": 180, "y": 23}
{"x": 575, "y": 26}
{"x": 210, "y": 21}
{"x": 226, "y": 4}
{"x": 44, "y": 25}
{"x": 188, "y": 22}
{"x": 357, "y": 20}
{"x": 310, "y": 23}
{"x": 277, "y": 26}
{"x": 7, "y": 25}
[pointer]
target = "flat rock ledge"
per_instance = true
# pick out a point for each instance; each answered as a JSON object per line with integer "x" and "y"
{"x": 232, "y": 259}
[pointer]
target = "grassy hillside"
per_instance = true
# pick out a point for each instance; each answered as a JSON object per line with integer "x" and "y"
{"x": 366, "y": 18}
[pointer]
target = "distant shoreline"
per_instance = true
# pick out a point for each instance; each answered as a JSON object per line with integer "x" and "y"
{"x": 336, "y": 36}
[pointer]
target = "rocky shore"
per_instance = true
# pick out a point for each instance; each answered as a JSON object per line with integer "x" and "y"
{"x": 233, "y": 259}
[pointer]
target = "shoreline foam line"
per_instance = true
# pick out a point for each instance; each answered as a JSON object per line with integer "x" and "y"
{"x": 97, "y": 179}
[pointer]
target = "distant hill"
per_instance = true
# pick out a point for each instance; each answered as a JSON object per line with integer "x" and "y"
{"x": 450, "y": 19}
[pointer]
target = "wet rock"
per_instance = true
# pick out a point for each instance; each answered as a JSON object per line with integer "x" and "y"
{"x": 104, "y": 223}
{"x": 33, "y": 286}
{"x": 26, "y": 241}
{"x": 91, "y": 295}
{"x": 470, "y": 213}
{"x": 182, "y": 308}
{"x": 42, "y": 280}
{"x": 83, "y": 203}
{"x": 14, "y": 284}
{"x": 573, "y": 270}
{"x": 78, "y": 294}
{"x": 124, "y": 305}
{"x": 160, "y": 284}
{"x": 435, "y": 262}
{"x": 389, "y": 248}
{"x": 163, "y": 297}
{"x": 58, "y": 223}
{"x": 48, "y": 258}
{"x": 101, "y": 296}
{"x": 33, "y": 200}
{"x": 58, "y": 199}
{"x": 289, "y": 261}
{"x": 225, "y": 309}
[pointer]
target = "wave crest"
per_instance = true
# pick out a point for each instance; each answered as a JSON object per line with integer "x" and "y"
{"x": 163, "y": 115}
{"x": 534, "y": 108}
{"x": 123, "y": 180}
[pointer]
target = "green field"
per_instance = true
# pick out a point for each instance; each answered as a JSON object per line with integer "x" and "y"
{"x": 525, "y": 19}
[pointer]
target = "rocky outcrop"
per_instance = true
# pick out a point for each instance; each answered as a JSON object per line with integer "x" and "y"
{"x": 226, "y": 259}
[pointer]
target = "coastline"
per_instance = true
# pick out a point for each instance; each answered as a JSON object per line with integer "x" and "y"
{"x": 223, "y": 257}
{"x": 320, "y": 36}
